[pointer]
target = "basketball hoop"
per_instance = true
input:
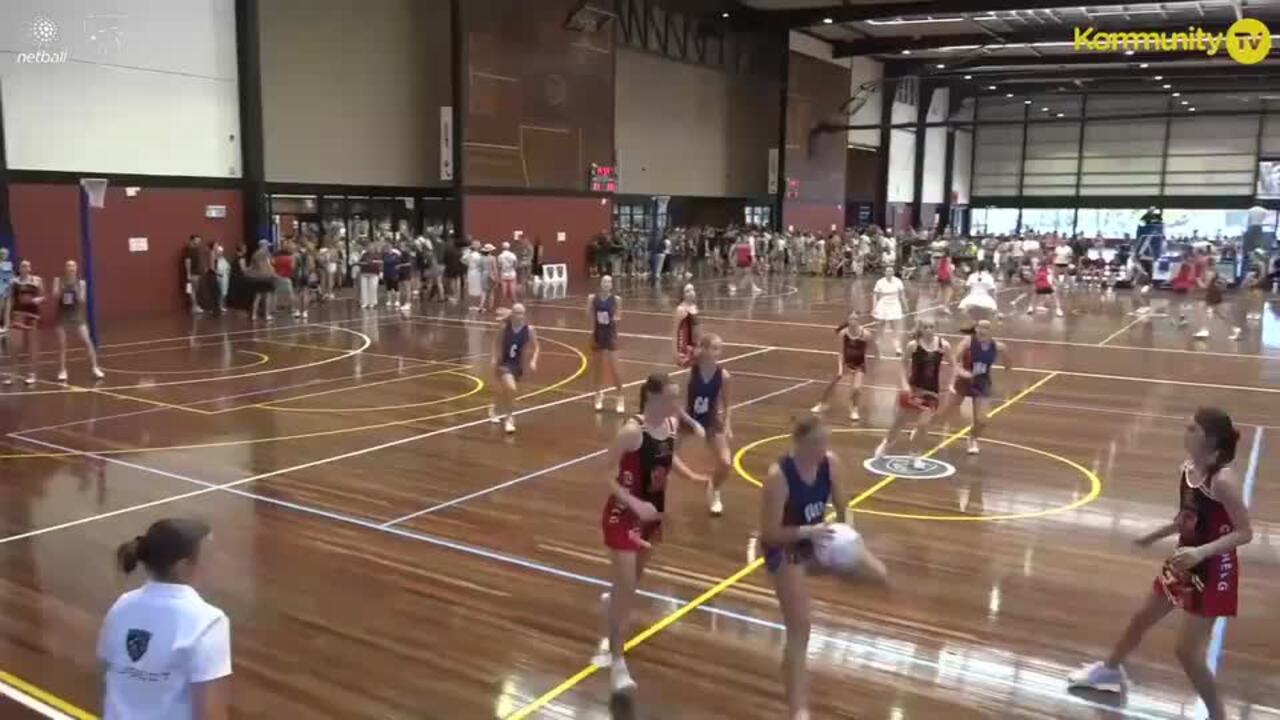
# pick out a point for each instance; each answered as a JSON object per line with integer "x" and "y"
{"x": 96, "y": 190}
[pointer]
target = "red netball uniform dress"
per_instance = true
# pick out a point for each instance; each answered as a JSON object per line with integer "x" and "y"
{"x": 926, "y": 365}
{"x": 1209, "y": 589}
{"x": 643, "y": 473}
{"x": 854, "y": 352}
{"x": 686, "y": 340}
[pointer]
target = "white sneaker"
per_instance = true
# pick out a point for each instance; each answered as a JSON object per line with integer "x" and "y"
{"x": 599, "y": 401}
{"x": 1237, "y": 333}
{"x": 714, "y": 503}
{"x": 973, "y": 447}
{"x": 879, "y": 453}
{"x": 31, "y": 379}
{"x": 819, "y": 409}
{"x": 1097, "y": 676}
{"x": 1201, "y": 335}
{"x": 621, "y": 406}
{"x": 603, "y": 658}
{"x": 297, "y": 314}
{"x": 304, "y": 314}
{"x": 854, "y": 416}
{"x": 510, "y": 425}
{"x": 917, "y": 463}
{"x": 62, "y": 375}
{"x": 1031, "y": 311}
{"x": 8, "y": 379}
{"x": 757, "y": 291}
{"x": 97, "y": 373}
{"x": 494, "y": 417}
{"x": 1059, "y": 312}
{"x": 620, "y": 678}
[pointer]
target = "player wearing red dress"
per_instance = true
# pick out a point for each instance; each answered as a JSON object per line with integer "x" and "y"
{"x": 856, "y": 345}
{"x": 921, "y": 384}
{"x": 1203, "y": 575}
{"x": 645, "y": 454}
{"x": 687, "y": 328}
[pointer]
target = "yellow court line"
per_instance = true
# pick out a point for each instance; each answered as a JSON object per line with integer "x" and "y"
{"x": 262, "y": 360}
{"x": 477, "y": 386}
{"x": 582, "y": 369}
{"x": 751, "y": 567}
{"x": 1122, "y": 330}
{"x": 350, "y": 352}
{"x": 45, "y": 697}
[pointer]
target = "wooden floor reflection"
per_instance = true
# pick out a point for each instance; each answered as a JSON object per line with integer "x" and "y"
{"x": 385, "y": 552}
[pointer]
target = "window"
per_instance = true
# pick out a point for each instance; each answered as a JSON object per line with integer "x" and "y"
{"x": 759, "y": 215}
{"x": 631, "y": 217}
{"x": 994, "y": 221}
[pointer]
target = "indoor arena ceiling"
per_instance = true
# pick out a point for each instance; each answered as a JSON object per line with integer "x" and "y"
{"x": 1029, "y": 42}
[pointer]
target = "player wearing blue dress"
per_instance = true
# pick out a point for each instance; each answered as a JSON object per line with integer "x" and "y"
{"x": 792, "y": 520}
{"x": 974, "y": 358}
{"x": 706, "y": 412}
{"x": 515, "y": 347}
{"x": 604, "y": 309}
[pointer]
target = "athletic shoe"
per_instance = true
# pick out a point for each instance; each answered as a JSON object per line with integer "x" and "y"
{"x": 1201, "y": 335}
{"x": 97, "y": 373}
{"x": 620, "y": 678}
{"x": 973, "y": 447}
{"x": 1059, "y": 312}
{"x": 603, "y": 658}
{"x": 8, "y": 379}
{"x": 714, "y": 503}
{"x": 297, "y": 314}
{"x": 62, "y": 375}
{"x": 599, "y": 404}
{"x": 1031, "y": 310}
{"x": 1237, "y": 333}
{"x": 304, "y": 314}
{"x": 819, "y": 409}
{"x": 879, "y": 453}
{"x": 917, "y": 463}
{"x": 494, "y": 417}
{"x": 1097, "y": 676}
{"x": 510, "y": 425}
{"x": 621, "y": 406}
{"x": 31, "y": 379}
{"x": 757, "y": 291}
{"x": 854, "y": 416}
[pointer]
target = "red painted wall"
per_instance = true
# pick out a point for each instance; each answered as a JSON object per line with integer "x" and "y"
{"x": 129, "y": 283}
{"x": 493, "y": 218}
{"x": 46, "y": 227}
{"x": 812, "y": 217}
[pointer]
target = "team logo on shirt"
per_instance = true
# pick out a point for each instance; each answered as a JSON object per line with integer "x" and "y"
{"x": 136, "y": 642}
{"x": 901, "y": 466}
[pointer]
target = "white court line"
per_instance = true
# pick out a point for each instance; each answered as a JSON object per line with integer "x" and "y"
{"x": 561, "y": 466}
{"x": 40, "y": 708}
{"x": 872, "y": 650}
{"x": 294, "y": 468}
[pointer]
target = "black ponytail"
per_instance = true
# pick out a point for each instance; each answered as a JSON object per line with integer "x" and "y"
{"x": 166, "y": 543}
{"x": 1221, "y": 434}
{"x": 655, "y": 384}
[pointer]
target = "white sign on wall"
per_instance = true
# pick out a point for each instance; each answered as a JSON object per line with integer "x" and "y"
{"x": 446, "y": 142}
{"x": 517, "y": 234}
{"x": 773, "y": 171}
{"x": 562, "y": 236}
{"x": 138, "y": 244}
{"x": 215, "y": 211}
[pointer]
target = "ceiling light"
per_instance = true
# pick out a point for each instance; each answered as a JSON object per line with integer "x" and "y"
{"x": 1184, "y": 102}
{"x": 1045, "y": 109}
{"x": 906, "y": 52}
{"x": 993, "y": 87}
{"x": 1128, "y": 52}
{"x": 1026, "y": 102}
{"x": 1177, "y": 94}
{"x": 827, "y": 21}
{"x": 941, "y": 65}
{"x": 1166, "y": 86}
{"x": 1008, "y": 94}
{"x": 968, "y": 77}
{"x": 1159, "y": 77}
{"x": 1191, "y": 109}
{"x": 1060, "y": 114}
{"x": 1144, "y": 66}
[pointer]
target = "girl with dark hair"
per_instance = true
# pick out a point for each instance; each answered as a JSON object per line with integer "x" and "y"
{"x": 166, "y": 653}
{"x": 856, "y": 345}
{"x": 921, "y": 385}
{"x": 644, "y": 453}
{"x": 515, "y": 348}
{"x": 604, "y": 309}
{"x": 686, "y": 332}
{"x": 793, "y": 517}
{"x": 26, "y": 294}
{"x": 1202, "y": 577}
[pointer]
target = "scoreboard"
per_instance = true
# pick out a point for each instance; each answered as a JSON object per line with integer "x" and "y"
{"x": 604, "y": 178}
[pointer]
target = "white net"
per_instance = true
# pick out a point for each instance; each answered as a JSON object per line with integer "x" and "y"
{"x": 96, "y": 189}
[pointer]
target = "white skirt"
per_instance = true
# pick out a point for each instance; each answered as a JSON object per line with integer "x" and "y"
{"x": 982, "y": 301}
{"x": 887, "y": 309}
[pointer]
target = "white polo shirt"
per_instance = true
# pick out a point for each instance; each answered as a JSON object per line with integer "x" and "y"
{"x": 155, "y": 642}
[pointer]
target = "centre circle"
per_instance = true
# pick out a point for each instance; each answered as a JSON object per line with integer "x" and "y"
{"x": 1095, "y": 483}
{"x": 909, "y": 468}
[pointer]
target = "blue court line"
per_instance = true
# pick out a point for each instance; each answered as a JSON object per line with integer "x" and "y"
{"x": 1055, "y": 691}
{"x": 1213, "y": 655}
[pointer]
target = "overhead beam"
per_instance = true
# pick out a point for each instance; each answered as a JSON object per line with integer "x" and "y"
{"x": 854, "y": 13}
{"x": 1215, "y": 71}
{"x": 961, "y": 61}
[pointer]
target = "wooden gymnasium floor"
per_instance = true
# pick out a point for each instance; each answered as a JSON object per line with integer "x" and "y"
{"x": 384, "y": 552}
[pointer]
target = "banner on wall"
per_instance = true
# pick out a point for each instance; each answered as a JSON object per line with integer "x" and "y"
{"x": 446, "y": 142}
{"x": 773, "y": 171}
